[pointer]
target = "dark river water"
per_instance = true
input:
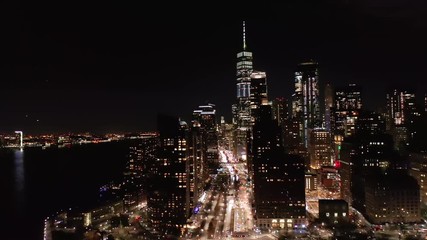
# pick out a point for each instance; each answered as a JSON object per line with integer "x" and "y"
{"x": 35, "y": 183}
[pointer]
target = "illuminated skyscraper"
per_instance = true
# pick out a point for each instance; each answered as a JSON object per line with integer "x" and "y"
{"x": 305, "y": 100}
{"x": 242, "y": 109}
{"x": 244, "y": 70}
{"x": 347, "y": 105}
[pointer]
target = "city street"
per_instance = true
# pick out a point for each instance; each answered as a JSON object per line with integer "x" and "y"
{"x": 225, "y": 211}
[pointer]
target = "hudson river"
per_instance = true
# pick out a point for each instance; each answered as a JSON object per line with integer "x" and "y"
{"x": 36, "y": 183}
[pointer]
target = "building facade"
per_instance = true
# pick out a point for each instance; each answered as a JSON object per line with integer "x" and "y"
{"x": 361, "y": 156}
{"x": 273, "y": 169}
{"x": 168, "y": 202}
{"x": 418, "y": 170}
{"x": 141, "y": 158}
{"x": 333, "y": 211}
{"x": 320, "y": 148}
{"x": 392, "y": 198}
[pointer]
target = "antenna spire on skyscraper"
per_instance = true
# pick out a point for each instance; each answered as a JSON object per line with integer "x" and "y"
{"x": 244, "y": 36}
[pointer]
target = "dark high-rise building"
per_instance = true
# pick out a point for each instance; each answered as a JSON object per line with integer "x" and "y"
{"x": 392, "y": 198}
{"x": 258, "y": 93}
{"x": 344, "y": 114}
{"x": 264, "y": 135}
{"x": 361, "y": 156}
{"x": 346, "y": 170}
{"x": 418, "y": 170}
{"x": 401, "y": 114}
{"x": 280, "y": 110}
{"x": 197, "y": 167}
{"x": 425, "y": 102}
{"x": 168, "y": 202}
{"x": 132, "y": 176}
{"x": 292, "y": 139}
{"x": 305, "y": 100}
{"x": 370, "y": 123}
{"x": 400, "y": 106}
{"x": 273, "y": 169}
{"x": 203, "y": 149}
{"x": 142, "y": 155}
{"x": 205, "y": 118}
{"x": 329, "y": 104}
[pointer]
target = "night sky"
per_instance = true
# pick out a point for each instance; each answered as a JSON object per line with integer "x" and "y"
{"x": 113, "y": 65}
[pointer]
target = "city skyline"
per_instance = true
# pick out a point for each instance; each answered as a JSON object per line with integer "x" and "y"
{"x": 294, "y": 121}
{"x": 112, "y": 75}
